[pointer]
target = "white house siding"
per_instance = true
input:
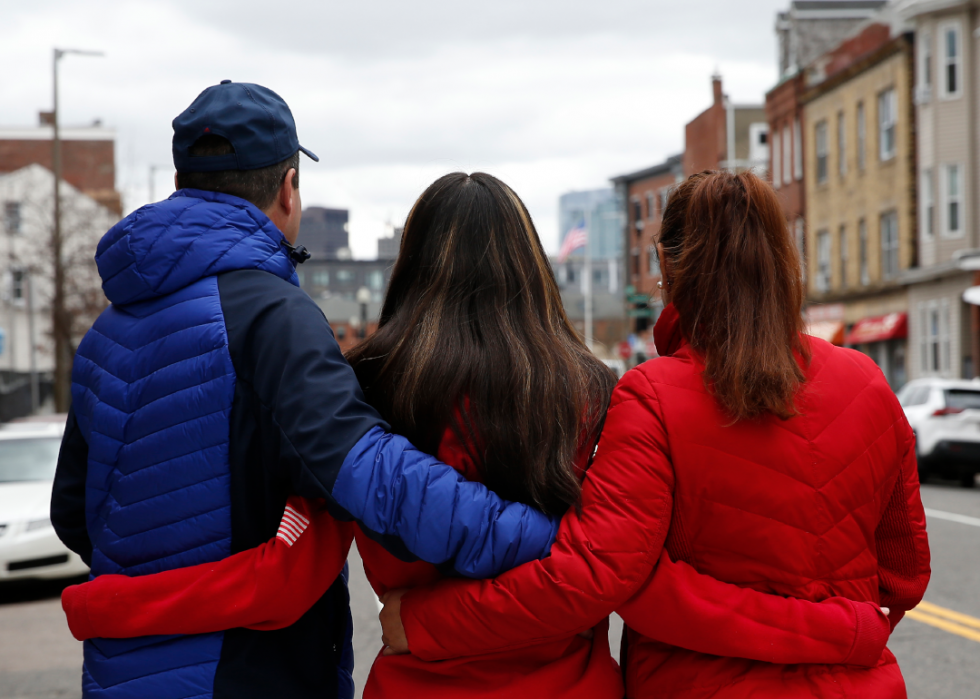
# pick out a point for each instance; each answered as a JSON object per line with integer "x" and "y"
{"x": 84, "y": 222}
{"x": 921, "y": 296}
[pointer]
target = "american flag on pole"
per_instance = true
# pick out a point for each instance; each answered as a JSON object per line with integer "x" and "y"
{"x": 576, "y": 238}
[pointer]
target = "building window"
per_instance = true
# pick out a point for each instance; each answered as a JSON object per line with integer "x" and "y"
{"x": 842, "y": 243}
{"x": 952, "y": 47}
{"x": 321, "y": 279}
{"x": 862, "y": 137}
{"x": 823, "y": 261}
{"x": 821, "y": 142}
{"x": 889, "y": 245}
{"x": 928, "y": 205}
{"x": 797, "y": 150}
{"x": 863, "y": 252}
{"x": 651, "y": 206}
{"x": 375, "y": 280}
{"x": 841, "y": 145}
{"x": 777, "y": 170}
{"x": 654, "y": 265}
{"x": 664, "y": 196}
{"x": 925, "y": 64}
{"x": 637, "y": 215}
{"x": 11, "y": 217}
{"x": 787, "y": 156}
{"x": 934, "y": 344}
{"x": 345, "y": 276}
{"x": 953, "y": 208}
{"x": 887, "y": 117}
{"x": 17, "y": 285}
{"x": 759, "y": 144}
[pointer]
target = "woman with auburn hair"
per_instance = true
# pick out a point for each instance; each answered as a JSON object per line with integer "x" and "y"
{"x": 475, "y": 360}
{"x": 749, "y": 451}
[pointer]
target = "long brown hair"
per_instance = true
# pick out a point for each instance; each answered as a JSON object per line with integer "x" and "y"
{"x": 473, "y": 335}
{"x": 738, "y": 288}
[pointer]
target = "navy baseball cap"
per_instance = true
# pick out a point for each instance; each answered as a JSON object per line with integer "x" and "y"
{"x": 253, "y": 118}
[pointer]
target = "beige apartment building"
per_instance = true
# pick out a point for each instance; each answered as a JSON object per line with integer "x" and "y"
{"x": 859, "y": 150}
{"x": 943, "y": 325}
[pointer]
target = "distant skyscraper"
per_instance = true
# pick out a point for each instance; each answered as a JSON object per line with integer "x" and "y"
{"x": 599, "y": 212}
{"x": 388, "y": 247}
{"x": 324, "y": 231}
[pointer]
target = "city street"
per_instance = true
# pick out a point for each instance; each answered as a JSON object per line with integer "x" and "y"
{"x": 939, "y": 649}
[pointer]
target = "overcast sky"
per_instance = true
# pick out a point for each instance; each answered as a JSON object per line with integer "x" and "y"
{"x": 549, "y": 96}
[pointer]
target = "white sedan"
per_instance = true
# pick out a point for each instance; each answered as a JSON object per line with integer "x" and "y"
{"x": 29, "y": 547}
{"x": 945, "y": 416}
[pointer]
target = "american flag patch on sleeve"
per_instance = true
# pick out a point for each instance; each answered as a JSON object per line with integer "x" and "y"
{"x": 292, "y": 526}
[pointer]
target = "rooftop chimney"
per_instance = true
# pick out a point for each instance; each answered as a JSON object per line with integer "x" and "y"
{"x": 45, "y": 118}
{"x": 716, "y": 88}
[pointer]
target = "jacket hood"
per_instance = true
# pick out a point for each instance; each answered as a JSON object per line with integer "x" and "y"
{"x": 163, "y": 247}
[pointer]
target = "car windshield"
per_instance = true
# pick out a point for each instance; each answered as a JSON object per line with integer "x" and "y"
{"x": 963, "y": 399}
{"x": 32, "y": 459}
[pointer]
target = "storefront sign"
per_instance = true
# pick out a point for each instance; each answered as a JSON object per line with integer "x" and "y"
{"x": 828, "y": 330}
{"x": 894, "y": 326}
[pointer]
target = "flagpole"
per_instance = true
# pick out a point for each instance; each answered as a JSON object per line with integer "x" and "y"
{"x": 588, "y": 278}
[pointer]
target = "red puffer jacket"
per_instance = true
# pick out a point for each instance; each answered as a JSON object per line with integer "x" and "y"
{"x": 825, "y": 504}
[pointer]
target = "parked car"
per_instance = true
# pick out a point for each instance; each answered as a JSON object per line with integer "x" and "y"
{"x": 945, "y": 416}
{"x": 29, "y": 547}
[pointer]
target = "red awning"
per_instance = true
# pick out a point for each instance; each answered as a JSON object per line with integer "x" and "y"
{"x": 830, "y": 330}
{"x": 894, "y": 326}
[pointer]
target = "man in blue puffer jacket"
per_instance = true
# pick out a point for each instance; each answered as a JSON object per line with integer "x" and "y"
{"x": 210, "y": 390}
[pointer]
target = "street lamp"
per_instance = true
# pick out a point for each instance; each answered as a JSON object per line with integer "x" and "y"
{"x": 61, "y": 323}
{"x": 363, "y": 298}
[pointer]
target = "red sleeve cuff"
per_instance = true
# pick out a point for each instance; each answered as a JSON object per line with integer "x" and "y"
{"x": 872, "y": 629}
{"x": 74, "y": 600}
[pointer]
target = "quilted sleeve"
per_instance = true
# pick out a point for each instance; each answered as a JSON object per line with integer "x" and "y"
{"x": 603, "y": 554}
{"x": 333, "y": 445}
{"x": 243, "y": 590}
{"x": 681, "y": 607}
{"x": 68, "y": 492}
{"x": 408, "y": 500}
{"x": 901, "y": 540}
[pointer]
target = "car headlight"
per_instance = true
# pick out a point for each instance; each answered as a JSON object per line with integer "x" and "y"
{"x": 36, "y": 524}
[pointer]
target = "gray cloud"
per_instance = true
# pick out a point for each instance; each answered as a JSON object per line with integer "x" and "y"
{"x": 552, "y": 96}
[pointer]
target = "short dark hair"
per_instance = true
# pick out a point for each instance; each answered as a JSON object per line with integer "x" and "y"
{"x": 257, "y": 186}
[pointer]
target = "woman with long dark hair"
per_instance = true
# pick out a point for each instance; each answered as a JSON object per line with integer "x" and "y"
{"x": 476, "y": 362}
{"x": 750, "y": 451}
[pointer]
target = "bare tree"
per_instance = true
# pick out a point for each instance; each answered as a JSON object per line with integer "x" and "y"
{"x": 68, "y": 296}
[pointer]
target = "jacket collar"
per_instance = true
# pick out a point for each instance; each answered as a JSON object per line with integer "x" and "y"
{"x": 667, "y": 334}
{"x": 163, "y": 247}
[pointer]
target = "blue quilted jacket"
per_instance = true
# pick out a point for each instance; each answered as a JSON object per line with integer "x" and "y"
{"x": 210, "y": 390}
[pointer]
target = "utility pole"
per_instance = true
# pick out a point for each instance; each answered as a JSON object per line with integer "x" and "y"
{"x": 587, "y": 286}
{"x": 35, "y": 392}
{"x": 11, "y": 302}
{"x": 60, "y": 320}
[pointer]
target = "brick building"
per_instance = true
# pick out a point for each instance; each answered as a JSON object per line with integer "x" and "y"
{"x": 726, "y": 136}
{"x": 784, "y": 112}
{"x": 723, "y": 136}
{"x": 88, "y": 157}
{"x": 644, "y": 194}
